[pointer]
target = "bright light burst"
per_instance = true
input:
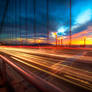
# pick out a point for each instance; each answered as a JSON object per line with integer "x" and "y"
{"x": 53, "y": 34}
{"x": 61, "y": 31}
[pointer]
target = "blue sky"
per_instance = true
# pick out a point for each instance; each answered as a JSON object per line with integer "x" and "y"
{"x": 20, "y": 16}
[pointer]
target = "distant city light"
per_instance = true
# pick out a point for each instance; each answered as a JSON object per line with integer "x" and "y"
{"x": 53, "y": 34}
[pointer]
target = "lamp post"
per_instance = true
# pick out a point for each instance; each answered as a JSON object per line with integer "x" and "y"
{"x": 61, "y": 40}
{"x": 56, "y": 38}
{"x": 34, "y": 24}
{"x": 39, "y": 42}
{"x": 47, "y": 21}
{"x": 55, "y": 34}
{"x": 84, "y": 41}
{"x": 70, "y": 33}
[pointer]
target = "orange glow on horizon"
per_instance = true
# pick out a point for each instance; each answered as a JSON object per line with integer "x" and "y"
{"x": 80, "y": 38}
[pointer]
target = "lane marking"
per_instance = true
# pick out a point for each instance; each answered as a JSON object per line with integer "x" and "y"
{"x": 71, "y": 77}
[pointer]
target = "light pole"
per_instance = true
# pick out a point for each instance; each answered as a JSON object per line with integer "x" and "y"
{"x": 56, "y": 40}
{"x": 84, "y": 41}
{"x": 47, "y": 28}
{"x": 61, "y": 40}
{"x": 34, "y": 24}
{"x": 39, "y": 42}
{"x": 55, "y": 34}
{"x": 70, "y": 27}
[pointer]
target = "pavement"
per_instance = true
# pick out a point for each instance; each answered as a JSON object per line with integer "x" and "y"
{"x": 66, "y": 69}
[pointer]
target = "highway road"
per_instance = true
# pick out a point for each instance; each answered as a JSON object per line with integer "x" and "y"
{"x": 68, "y": 70}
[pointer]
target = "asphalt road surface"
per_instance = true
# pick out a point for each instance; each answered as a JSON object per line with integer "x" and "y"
{"x": 69, "y": 70}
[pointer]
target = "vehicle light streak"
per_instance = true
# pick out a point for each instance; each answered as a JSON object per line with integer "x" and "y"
{"x": 31, "y": 58}
{"x": 53, "y": 74}
{"x": 34, "y": 79}
{"x": 48, "y": 54}
{"x": 71, "y": 77}
{"x": 65, "y": 69}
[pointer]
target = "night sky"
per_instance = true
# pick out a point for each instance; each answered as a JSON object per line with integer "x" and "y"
{"x": 19, "y": 19}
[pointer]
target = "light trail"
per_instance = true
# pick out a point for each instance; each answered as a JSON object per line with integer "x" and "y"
{"x": 30, "y": 59}
{"x": 67, "y": 70}
{"x": 86, "y": 82}
{"x": 45, "y": 53}
{"x": 34, "y": 79}
{"x": 39, "y": 60}
{"x": 42, "y": 62}
{"x": 30, "y": 65}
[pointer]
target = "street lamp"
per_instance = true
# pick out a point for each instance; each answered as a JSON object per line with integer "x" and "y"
{"x": 60, "y": 33}
{"x": 61, "y": 41}
{"x": 39, "y": 42}
{"x": 55, "y": 35}
{"x": 84, "y": 41}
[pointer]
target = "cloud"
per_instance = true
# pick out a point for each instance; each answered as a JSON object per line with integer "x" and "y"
{"x": 84, "y": 17}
